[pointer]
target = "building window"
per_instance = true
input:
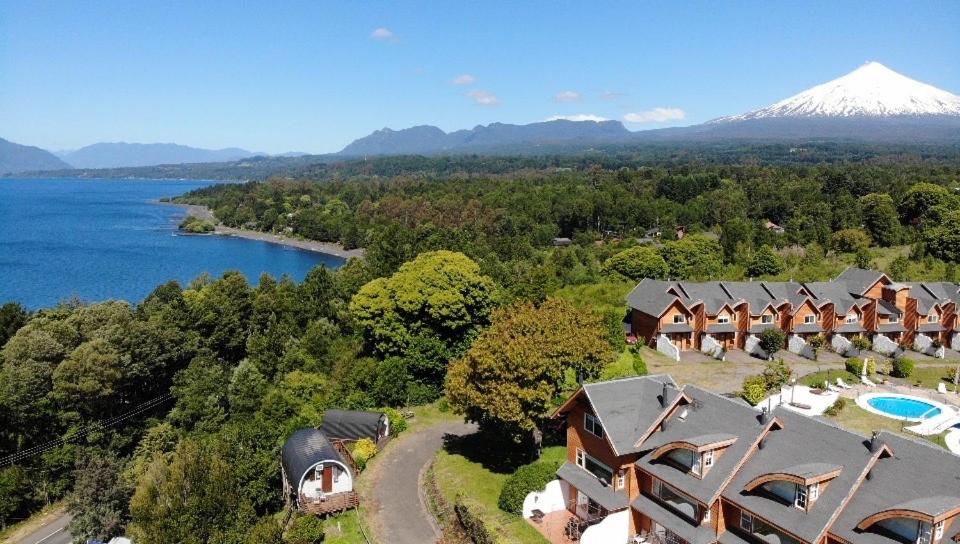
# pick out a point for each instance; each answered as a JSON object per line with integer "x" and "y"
{"x": 933, "y": 318}
{"x": 679, "y": 318}
{"x": 851, "y": 318}
{"x": 766, "y": 319}
{"x": 746, "y": 522}
{"x": 800, "y": 499}
{"x": 598, "y": 469}
{"x": 937, "y": 531}
{"x": 707, "y": 459}
{"x": 894, "y": 319}
{"x": 706, "y": 515}
{"x": 808, "y": 319}
{"x": 697, "y": 464}
{"x": 924, "y": 533}
{"x": 723, "y": 318}
{"x": 814, "y": 491}
{"x": 581, "y": 458}
{"x": 621, "y": 480}
{"x": 592, "y": 425}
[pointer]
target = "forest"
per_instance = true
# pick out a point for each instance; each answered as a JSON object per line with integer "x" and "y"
{"x": 122, "y": 409}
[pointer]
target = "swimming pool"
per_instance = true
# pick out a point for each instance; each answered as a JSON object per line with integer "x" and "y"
{"x": 903, "y": 407}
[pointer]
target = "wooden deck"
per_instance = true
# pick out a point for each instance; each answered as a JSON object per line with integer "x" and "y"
{"x": 553, "y": 526}
{"x": 330, "y": 504}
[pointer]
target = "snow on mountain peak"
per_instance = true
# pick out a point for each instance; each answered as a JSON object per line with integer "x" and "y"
{"x": 871, "y": 90}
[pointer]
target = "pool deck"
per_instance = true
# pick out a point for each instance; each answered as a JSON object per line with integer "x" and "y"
{"x": 877, "y": 392}
{"x": 801, "y": 399}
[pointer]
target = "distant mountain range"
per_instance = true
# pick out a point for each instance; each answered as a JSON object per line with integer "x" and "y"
{"x": 872, "y": 104}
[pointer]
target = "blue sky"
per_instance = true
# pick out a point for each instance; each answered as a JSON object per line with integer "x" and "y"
{"x": 313, "y": 76}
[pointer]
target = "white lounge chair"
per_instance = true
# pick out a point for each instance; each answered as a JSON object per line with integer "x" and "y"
{"x": 841, "y": 384}
{"x": 866, "y": 381}
{"x": 942, "y": 388}
{"x": 834, "y": 388}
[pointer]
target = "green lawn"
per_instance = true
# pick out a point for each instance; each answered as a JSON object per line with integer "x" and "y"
{"x": 457, "y": 473}
{"x": 816, "y": 379}
{"x": 930, "y": 376}
{"x": 343, "y": 529}
{"x": 856, "y": 419}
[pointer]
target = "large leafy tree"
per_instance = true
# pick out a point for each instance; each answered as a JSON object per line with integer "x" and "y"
{"x": 922, "y": 197}
{"x": 100, "y": 496}
{"x": 513, "y": 371}
{"x": 880, "y": 218}
{"x": 765, "y": 263}
{"x": 693, "y": 257}
{"x": 637, "y": 263}
{"x": 943, "y": 239}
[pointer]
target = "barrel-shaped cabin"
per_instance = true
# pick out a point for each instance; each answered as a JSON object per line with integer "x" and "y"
{"x": 318, "y": 474}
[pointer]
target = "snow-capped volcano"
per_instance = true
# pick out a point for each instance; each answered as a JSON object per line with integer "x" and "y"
{"x": 873, "y": 90}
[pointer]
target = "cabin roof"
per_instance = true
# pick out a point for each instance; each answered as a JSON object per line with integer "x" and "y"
{"x": 352, "y": 424}
{"x": 303, "y": 450}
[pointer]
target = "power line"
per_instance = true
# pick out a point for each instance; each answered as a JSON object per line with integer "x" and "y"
{"x": 93, "y": 427}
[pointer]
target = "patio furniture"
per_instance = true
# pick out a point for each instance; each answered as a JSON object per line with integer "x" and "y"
{"x": 537, "y": 515}
{"x": 866, "y": 381}
{"x": 800, "y": 405}
{"x": 941, "y": 388}
{"x": 842, "y": 384}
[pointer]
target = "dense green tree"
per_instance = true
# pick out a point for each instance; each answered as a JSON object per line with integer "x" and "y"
{"x": 637, "y": 263}
{"x": 201, "y": 393}
{"x": 12, "y": 317}
{"x": 14, "y": 492}
{"x": 850, "y": 240}
{"x": 765, "y": 263}
{"x": 922, "y": 197}
{"x": 693, "y": 257}
{"x": 880, "y": 218}
{"x": 734, "y": 235}
{"x": 513, "y": 371}
{"x": 943, "y": 239}
{"x": 99, "y": 499}
{"x": 86, "y": 379}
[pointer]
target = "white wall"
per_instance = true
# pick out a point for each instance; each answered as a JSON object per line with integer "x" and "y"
{"x": 924, "y": 344}
{"x": 956, "y": 341}
{"x": 886, "y": 346}
{"x": 553, "y": 497}
{"x": 666, "y": 347}
{"x": 840, "y": 344}
{"x": 614, "y": 529}
{"x": 342, "y": 481}
{"x": 799, "y": 346}
{"x": 712, "y": 348}
{"x": 752, "y": 346}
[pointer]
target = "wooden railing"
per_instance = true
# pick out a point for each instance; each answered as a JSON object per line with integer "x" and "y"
{"x": 345, "y": 453}
{"x": 330, "y": 503}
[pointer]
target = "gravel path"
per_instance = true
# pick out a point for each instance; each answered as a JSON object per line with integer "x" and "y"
{"x": 396, "y": 512}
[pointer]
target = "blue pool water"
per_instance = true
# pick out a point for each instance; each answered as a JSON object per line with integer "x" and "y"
{"x": 903, "y": 407}
{"x": 109, "y": 239}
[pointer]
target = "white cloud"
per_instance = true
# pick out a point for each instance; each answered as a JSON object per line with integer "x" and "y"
{"x": 656, "y": 115}
{"x": 382, "y": 34}
{"x": 484, "y": 98}
{"x": 577, "y": 117}
{"x": 464, "y": 79}
{"x": 612, "y": 95}
{"x": 568, "y": 96}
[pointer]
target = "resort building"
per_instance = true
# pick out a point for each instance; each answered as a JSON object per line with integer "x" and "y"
{"x": 648, "y": 461}
{"x": 715, "y": 317}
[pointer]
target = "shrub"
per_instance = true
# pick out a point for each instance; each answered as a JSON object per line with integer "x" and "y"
{"x": 639, "y": 366}
{"x": 364, "y": 450}
{"x": 398, "y": 423}
{"x": 765, "y": 263}
{"x": 305, "y": 530}
{"x": 615, "y": 333}
{"x": 754, "y": 389}
{"x": 772, "y": 340}
{"x": 472, "y": 522}
{"x": 776, "y": 373}
{"x": 850, "y": 240}
{"x": 854, "y": 365}
{"x": 861, "y": 343}
{"x": 526, "y": 479}
{"x": 836, "y": 407}
{"x": 902, "y": 367}
{"x": 637, "y": 263}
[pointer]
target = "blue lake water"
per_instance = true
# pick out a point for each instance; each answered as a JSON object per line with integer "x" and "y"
{"x": 109, "y": 239}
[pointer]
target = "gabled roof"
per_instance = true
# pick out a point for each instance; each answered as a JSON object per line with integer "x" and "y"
{"x": 802, "y": 441}
{"x": 303, "y": 450}
{"x": 652, "y": 297}
{"x": 627, "y": 408}
{"x": 600, "y": 492}
{"x": 928, "y": 296}
{"x": 885, "y": 307}
{"x": 753, "y": 293}
{"x": 918, "y": 477}
{"x": 711, "y": 294}
{"x": 837, "y": 293}
{"x": 860, "y": 280}
{"x": 710, "y": 417}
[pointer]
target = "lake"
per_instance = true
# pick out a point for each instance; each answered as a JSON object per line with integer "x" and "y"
{"x": 109, "y": 239}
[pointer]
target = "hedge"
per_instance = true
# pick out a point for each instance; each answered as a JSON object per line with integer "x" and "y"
{"x": 854, "y": 365}
{"x": 902, "y": 367}
{"x": 471, "y": 522}
{"x": 525, "y": 480}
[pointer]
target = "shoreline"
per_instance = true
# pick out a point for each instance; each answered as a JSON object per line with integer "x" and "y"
{"x": 328, "y": 248}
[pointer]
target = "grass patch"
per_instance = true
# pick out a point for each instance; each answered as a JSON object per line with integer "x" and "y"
{"x": 830, "y": 376}
{"x": 461, "y": 469}
{"x": 929, "y": 377}
{"x": 343, "y": 528}
{"x": 603, "y": 296}
{"x": 856, "y": 419}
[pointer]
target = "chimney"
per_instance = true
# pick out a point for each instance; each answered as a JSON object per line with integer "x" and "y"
{"x": 875, "y": 442}
{"x": 665, "y": 395}
{"x": 764, "y": 416}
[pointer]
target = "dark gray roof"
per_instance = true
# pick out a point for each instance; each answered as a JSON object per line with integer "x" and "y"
{"x": 808, "y": 327}
{"x": 760, "y": 327}
{"x": 694, "y": 533}
{"x": 930, "y": 327}
{"x": 754, "y": 293}
{"x": 791, "y": 291}
{"x": 927, "y": 295}
{"x": 627, "y": 408}
{"x": 919, "y": 476}
{"x": 651, "y": 297}
{"x": 721, "y": 328}
{"x": 729, "y": 537}
{"x": 676, "y": 328}
{"x": 584, "y": 481}
{"x": 352, "y": 424}
{"x": 710, "y": 417}
{"x": 849, "y": 327}
{"x": 801, "y": 441}
{"x": 810, "y": 470}
{"x": 304, "y": 449}
{"x": 891, "y": 327}
{"x": 885, "y": 307}
{"x": 712, "y": 294}
{"x": 858, "y": 280}
{"x": 837, "y": 293}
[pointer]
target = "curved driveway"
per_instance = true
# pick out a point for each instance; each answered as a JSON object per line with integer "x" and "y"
{"x": 395, "y": 510}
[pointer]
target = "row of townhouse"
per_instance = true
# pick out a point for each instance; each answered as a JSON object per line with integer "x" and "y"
{"x": 718, "y": 316}
{"x": 650, "y": 462}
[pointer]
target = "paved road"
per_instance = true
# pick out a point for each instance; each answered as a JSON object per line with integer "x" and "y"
{"x": 54, "y": 532}
{"x": 397, "y": 513}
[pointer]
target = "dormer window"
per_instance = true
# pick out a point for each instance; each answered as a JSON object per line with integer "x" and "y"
{"x": 937, "y": 531}
{"x": 723, "y": 318}
{"x": 707, "y": 459}
{"x": 592, "y": 425}
{"x": 933, "y": 318}
{"x": 706, "y": 515}
{"x": 766, "y": 319}
{"x": 894, "y": 319}
{"x": 814, "y": 491}
{"x": 809, "y": 319}
{"x": 679, "y": 318}
{"x": 851, "y": 318}
{"x": 800, "y": 497}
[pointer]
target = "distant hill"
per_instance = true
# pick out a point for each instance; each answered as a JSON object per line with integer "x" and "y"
{"x": 21, "y": 158}
{"x": 122, "y": 154}
{"x": 496, "y": 137}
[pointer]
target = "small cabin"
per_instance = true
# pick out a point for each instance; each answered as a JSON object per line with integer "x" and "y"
{"x": 353, "y": 425}
{"x": 318, "y": 473}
